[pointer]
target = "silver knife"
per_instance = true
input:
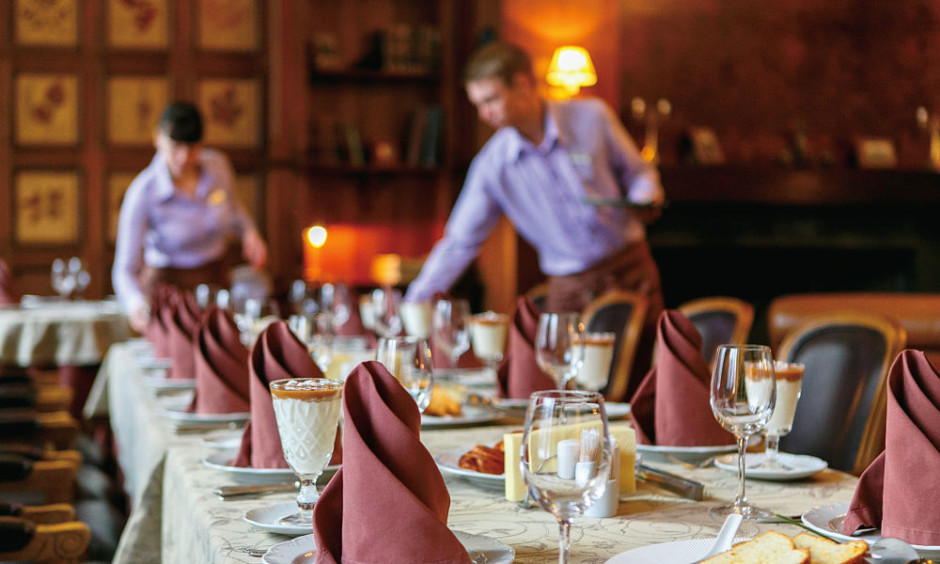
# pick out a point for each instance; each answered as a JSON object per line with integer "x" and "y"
{"x": 226, "y": 492}
{"x": 689, "y": 489}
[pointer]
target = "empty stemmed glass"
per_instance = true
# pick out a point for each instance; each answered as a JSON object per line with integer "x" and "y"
{"x": 742, "y": 399}
{"x": 63, "y": 282}
{"x": 307, "y": 413}
{"x": 450, "y": 329}
{"x": 335, "y": 300}
{"x": 789, "y": 382}
{"x": 559, "y": 346}
{"x": 408, "y": 359}
{"x": 566, "y": 455}
{"x": 386, "y": 303}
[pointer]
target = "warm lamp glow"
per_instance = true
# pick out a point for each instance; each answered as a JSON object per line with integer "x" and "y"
{"x": 316, "y": 235}
{"x": 571, "y": 68}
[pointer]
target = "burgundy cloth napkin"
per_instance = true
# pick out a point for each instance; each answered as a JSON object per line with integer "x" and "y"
{"x": 898, "y": 492}
{"x": 8, "y": 295}
{"x": 182, "y": 320}
{"x": 671, "y": 405}
{"x": 388, "y": 503}
{"x": 277, "y": 354}
{"x": 221, "y": 363}
{"x": 157, "y": 332}
{"x": 519, "y": 374}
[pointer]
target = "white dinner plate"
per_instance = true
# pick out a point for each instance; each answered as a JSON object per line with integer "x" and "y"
{"x": 827, "y": 520}
{"x": 153, "y": 363}
{"x": 176, "y": 412}
{"x": 303, "y": 550}
{"x": 677, "y": 552}
{"x": 161, "y": 382}
{"x": 222, "y": 460}
{"x": 517, "y": 407}
{"x": 472, "y": 415}
{"x": 449, "y": 461}
{"x": 686, "y": 454}
{"x": 269, "y": 519}
{"x": 797, "y": 466}
{"x": 224, "y": 439}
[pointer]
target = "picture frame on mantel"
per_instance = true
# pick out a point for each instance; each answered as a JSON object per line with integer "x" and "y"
{"x": 231, "y": 109}
{"x": 138, "y": 25}
{"x": 228, "y": 25}
{"x": 46, "y": 23}
{"x": 46, "y": 109}
{"x": 134, "y": 106}
{"x": 47, "y": 207}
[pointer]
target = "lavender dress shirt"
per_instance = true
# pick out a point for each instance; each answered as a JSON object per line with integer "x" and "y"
{"x": 585, "y": 153}
{"x": 165, "y": 228}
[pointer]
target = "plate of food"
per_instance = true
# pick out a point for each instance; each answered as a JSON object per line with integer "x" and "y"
{"x": 480, "y": 465}
{"x": 827, "y": 520}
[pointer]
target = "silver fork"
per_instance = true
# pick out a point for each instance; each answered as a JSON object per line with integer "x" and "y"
{"x": 693, "y": 465}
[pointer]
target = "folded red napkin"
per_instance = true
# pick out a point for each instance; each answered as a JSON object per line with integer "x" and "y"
{"x": 8, "y": 295}
{"x": 221, "y": 362}
{"x": 898, "y": 492}
{"x": 388, "y": 503}
{"x": 181, "y": 320}
{"x": 277, "y": 354}
{"x": 519, "y": 374}
{"x": 156, "y": 332}
{"x": 671, "y": 405}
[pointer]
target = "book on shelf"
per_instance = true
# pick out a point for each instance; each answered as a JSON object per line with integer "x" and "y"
{"x": 423, "y": 143}
{"x": 351, "y": 143}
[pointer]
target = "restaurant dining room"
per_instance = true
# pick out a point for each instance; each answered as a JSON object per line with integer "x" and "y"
{"x": 469, "y": 281}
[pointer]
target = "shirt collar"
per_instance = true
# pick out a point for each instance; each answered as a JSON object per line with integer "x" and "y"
{"x": 164, "y": 185}
{"x": 553, "y": 136}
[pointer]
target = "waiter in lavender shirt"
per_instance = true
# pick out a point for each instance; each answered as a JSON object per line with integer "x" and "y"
{"x": 178, "y": 217}
{"x": 543, "y": 160}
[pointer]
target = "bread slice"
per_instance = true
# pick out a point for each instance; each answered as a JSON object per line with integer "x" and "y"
{"x": 768, "y": 548}
{"x": 825, "y": 551}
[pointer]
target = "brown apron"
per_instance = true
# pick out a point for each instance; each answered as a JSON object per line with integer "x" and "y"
{"x": 152, "y": 277}
{"x": 631, "y": 269}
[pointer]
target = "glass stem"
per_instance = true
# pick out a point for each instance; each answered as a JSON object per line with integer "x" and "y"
{"x": 564, "y": 540}
{"x": 308, "y": 495}
{"x": 741, "y": 500}
{"x": 772, "y": 449}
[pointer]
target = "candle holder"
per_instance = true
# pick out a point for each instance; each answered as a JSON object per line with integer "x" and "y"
{"x": 931, "y": 124}
{"x": 652, "y": 118}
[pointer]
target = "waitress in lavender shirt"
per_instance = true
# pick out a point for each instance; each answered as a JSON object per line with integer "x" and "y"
{"x": 178, "y": 217}
{"x": 543, "y": 160}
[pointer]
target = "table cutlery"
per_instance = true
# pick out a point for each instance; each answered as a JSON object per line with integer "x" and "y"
{"x": 725, "y": 536}
{"x": 228, "y": 492}
{"x": 689, "y": 489}
{"x": 694, "y": 465}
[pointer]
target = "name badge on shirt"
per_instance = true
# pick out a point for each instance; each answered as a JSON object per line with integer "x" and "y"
{"x": 582, "y": 159}
{"x": 216, "y": 197}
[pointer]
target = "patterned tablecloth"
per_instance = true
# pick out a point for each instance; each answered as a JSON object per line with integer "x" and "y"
{"x": 176, "y": 518}
{"x": 60, "y": 333}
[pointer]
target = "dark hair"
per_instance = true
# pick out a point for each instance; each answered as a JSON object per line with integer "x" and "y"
{"x": 497, "y": 60}
{"x": 181, "y": 121}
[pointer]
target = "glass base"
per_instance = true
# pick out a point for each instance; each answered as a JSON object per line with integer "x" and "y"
{"x": 299, "y": 519}
{"x": 746, "y": 511}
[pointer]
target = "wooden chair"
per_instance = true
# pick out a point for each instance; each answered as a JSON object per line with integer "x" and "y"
{"x": 621, "y": 313}
{"x": 841, "y": 413}
{"x": 25, "y": 541}
{"x": 52, "y": 476}
{"x": 539, "y": 295}
{"x": 39, "y": 514}
{"x": 719, "y": 320}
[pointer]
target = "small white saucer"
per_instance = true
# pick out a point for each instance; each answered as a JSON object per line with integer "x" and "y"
{"x": 797, "y": 466}
{"x": 269, "y": 519}
{"x": 827, "y": 520}
{"x": 224, "y": 439}
{"x": 677, "y": 552}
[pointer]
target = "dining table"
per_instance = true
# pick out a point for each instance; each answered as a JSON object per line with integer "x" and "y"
{"x": 176, "y": 517}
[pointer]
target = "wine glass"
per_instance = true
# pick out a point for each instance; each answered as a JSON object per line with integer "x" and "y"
{"x": 299, "y": 298}
{"x": 408, "y": 359}
{"x": 307, "y": 413}
{"x": 450, "y": 329}
{"x": 742, "y": 400}
{"x": 386, "y": 304}
{"x": 62, "y": 280}
{"x": 559, "y": 346}
{"x": 336, "y": 300}
{"x": 789, "y": 382}
{"x": 254, "y": 315}
{"x": 488, "y": 337}
{"x": 566, "y": 455}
